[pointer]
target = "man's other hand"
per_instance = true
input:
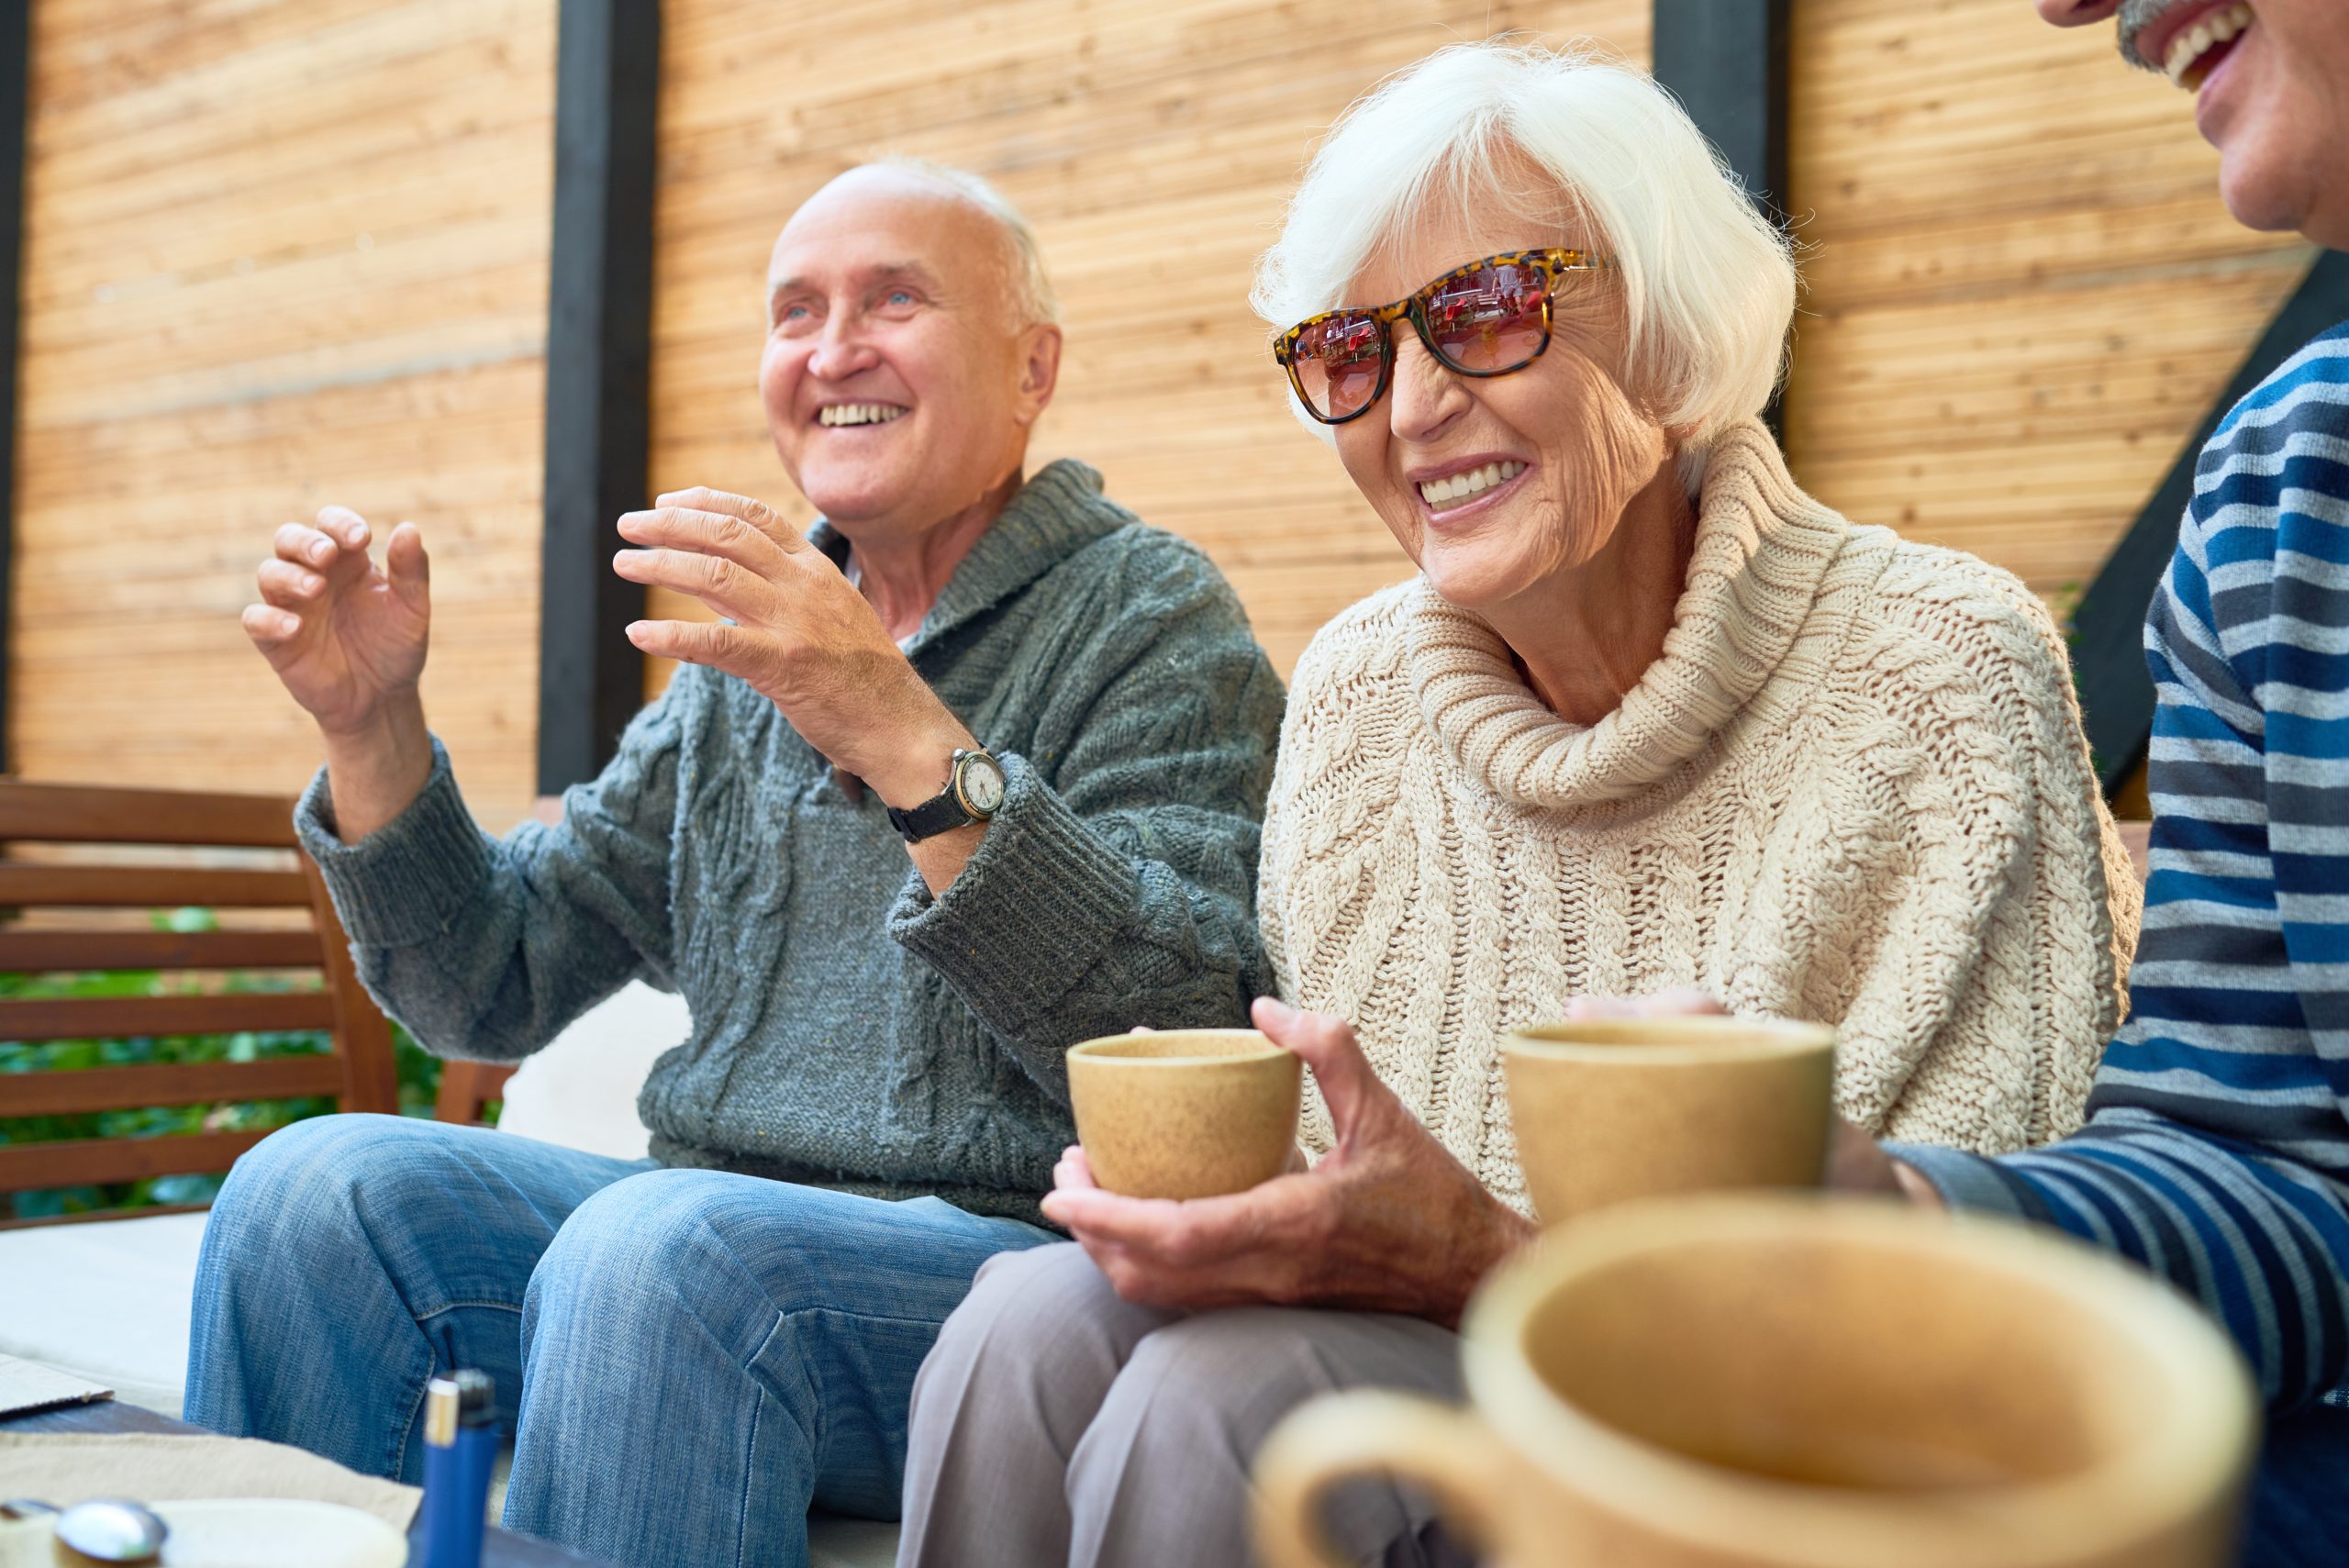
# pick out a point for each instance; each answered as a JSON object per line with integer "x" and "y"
{"x": 347, "y": 637}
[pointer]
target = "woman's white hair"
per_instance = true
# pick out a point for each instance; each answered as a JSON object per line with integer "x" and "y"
{"x": 1709, "y": 281}
{"x": 1033, "y": 299}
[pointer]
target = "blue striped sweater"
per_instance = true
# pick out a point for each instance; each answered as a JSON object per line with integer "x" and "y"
{"x": 2217, "y": 1146}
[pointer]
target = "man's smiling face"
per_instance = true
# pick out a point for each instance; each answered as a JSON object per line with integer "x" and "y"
{"x": 892, "y": 374}
{"x": 2271, "y": 86}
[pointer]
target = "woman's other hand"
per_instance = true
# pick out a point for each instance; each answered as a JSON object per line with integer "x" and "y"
{"x": 1680, "y": 1002}
{"x": 1856, "y": 1163}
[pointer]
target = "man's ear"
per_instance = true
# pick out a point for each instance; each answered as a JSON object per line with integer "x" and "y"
{"x": 1039, "y": 370}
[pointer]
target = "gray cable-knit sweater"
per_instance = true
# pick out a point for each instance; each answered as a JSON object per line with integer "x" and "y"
{"x": 848, "y": 1029}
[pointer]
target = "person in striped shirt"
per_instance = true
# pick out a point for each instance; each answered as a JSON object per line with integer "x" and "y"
{"x": 2217, "y": 1146}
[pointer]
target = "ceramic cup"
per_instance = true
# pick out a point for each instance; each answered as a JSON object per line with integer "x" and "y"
{"x": 1799, "y": 1381}
{"x": 1185, "y": 1113}
{"x": 1638, "y": 1108}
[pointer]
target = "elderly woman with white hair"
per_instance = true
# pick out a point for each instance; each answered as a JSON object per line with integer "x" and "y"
{"x": 1648, "y": 717}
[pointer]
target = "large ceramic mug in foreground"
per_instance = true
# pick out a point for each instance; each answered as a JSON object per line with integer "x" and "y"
{"x": 1185, "y": 1113}
{"x": 1622, "y": 1109}
{"x": 1798, "y": 1381}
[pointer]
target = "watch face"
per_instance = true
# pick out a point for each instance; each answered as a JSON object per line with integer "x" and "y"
{"x": 981, "y": 782}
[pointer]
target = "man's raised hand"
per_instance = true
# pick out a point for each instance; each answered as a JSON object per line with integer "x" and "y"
{"x": 800, "y": 634}
{"x": 346, "y": 636}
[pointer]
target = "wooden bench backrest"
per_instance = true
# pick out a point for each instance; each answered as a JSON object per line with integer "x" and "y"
{"x": 360, "y": 1073}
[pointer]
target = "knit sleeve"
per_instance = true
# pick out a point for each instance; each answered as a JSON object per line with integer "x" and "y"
{"x": 1116, "y": 886}
{"x": 486, "y": 948}
{"x": 1952, "y": 894}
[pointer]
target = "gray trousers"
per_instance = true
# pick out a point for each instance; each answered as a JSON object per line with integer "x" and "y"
{"x": 1054, "y": 1423}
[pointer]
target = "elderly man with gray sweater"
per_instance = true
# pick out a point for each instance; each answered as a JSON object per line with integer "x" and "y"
{"x": 969, "y": 773}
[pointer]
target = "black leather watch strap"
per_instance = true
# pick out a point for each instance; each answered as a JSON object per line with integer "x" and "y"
{"x": 951, "y": 807}
{"x": 931, "y": 817}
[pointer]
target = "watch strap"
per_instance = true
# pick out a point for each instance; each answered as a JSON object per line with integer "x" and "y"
{"x": 941, "y": 813}
{"x": 946, "y": 811}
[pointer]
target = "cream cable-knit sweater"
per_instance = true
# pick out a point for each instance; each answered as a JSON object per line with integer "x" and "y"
{"x": 1853, "y": 788}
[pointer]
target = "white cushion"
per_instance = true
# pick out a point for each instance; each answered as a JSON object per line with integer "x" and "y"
{"x": 581, "y": 1090}
{"x": 849, "y": 1544}
{"x": 108, "y": 1300}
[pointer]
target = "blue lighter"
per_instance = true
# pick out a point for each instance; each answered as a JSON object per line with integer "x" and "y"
{"x": 459, "y": 1451}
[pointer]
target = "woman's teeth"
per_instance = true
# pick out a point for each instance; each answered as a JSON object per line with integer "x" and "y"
{"x": 2187, "y": 50}
{"x": 1459, "y": 487}
{"x": 858, "y": 414}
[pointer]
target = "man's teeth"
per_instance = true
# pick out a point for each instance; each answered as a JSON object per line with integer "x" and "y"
{"x": 1459, "y": 487}
{"x": 858, "y": 413}
{"x": 2187, "y": 50}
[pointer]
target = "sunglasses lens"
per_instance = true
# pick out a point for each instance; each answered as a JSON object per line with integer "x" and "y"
{"x": 1338, "y": 359}
{"x": 1488, "y": 319}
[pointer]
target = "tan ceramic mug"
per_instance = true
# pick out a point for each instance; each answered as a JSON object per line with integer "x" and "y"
{"x": 1623, "y": 1108}
{"x": 1185, "y": 1113}
{"x": 1799, "y": 1381}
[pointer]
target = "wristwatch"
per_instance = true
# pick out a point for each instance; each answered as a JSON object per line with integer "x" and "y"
{"x": 974, "y": 792}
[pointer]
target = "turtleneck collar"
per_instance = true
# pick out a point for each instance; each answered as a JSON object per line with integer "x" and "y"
{"x": 1761, "y": 547}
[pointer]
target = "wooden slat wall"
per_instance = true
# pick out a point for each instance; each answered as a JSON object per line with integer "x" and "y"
{"x": 2023, "y": 289}
{"x": 1152, "y": 142}
{"x": 279, "y": 252}
{"x": 284, "y": 252}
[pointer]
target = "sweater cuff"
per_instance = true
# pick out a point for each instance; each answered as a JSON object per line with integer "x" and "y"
{"x": 1971, "y": 1182}
{"x": 1034, "y": 907}
{"x": 406, "y": 881}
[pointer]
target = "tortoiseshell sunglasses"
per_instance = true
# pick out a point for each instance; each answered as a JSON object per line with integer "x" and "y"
{"x": 1486, "y": 319}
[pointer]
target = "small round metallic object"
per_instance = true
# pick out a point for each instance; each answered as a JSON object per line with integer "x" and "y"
{"x": 105, "y": 1529}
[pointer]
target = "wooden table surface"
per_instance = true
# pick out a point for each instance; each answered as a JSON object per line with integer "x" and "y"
{"x": 500, "y": 1549}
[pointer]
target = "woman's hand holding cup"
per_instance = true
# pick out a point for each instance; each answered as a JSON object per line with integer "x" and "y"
{"x": 1386, "y": 1221}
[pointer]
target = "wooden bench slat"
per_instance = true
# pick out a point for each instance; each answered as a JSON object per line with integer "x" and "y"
{"x": 359, "y": 1074}
{"x": 30, "y": 953}
{"x": 85, "y": 1162}
{"x": 184, "y": 1083}
{"x": 84, "y": 813}
{"x": 118, "y": 1018}
{"x": 26, "y": 883}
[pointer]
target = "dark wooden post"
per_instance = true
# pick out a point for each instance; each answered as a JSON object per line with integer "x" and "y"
{"x": 599, "y": 331}
{"x": 1726, "y": 61}
{"x": 2109, "y": 623}
{"x": 15, "y": 109}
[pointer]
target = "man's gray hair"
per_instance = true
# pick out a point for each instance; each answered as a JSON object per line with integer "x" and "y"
{"x": 1032, "y": 287}
{"x": 1549, "y": 137}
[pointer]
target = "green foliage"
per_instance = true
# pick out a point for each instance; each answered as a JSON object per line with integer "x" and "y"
{"x": 420, "y": 1078}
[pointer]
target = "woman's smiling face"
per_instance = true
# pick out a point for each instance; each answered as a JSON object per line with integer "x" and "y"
{"x": 1494, "y": 486}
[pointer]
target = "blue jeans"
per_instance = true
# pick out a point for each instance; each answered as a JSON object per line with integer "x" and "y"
{"x": 699, "y": 1357}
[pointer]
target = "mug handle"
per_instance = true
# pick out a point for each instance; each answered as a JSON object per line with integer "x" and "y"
{"x": 1448, "y": 1451}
